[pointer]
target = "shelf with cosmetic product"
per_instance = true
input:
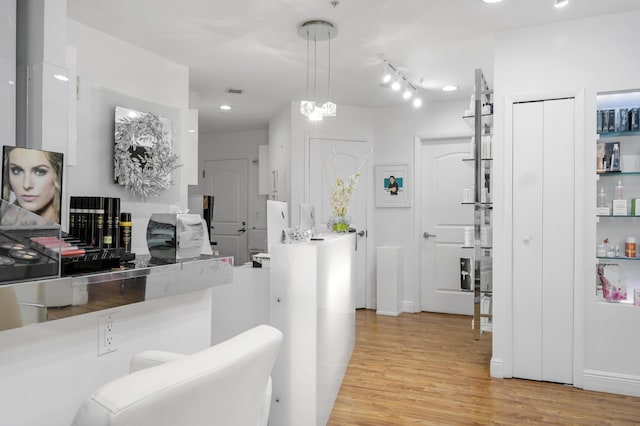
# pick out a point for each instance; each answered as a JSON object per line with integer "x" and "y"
{"x": 478, "y": 237}
{"x": 618, "y": 197}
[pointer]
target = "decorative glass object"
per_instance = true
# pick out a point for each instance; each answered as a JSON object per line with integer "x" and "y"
{"x": 299, "y": 234}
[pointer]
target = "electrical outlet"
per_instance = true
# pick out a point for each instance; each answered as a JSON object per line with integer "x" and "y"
{"x": 106, "y": 334}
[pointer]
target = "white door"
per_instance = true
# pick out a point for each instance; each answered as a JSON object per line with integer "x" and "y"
{"x": 543, "y": 240}
{"x": 227, "y": 181}
{"x": 443, "y": 220}
{"x": 350, "y": 155}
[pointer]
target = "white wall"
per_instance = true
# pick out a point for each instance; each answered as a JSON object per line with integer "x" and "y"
{"x": 232, "y": 146}
{"x": 113, "y": 72}
{"x": 7, "y": 72}
{"x": 48, "y": 369}
{"x": 581, "y": 56}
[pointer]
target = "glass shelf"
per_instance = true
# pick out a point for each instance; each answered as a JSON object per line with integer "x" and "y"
{"x": 618, "y": 258}
{"x": 486, "y": 119}
{"x": 618, "y": 134}
{"x": 617, "y": 173}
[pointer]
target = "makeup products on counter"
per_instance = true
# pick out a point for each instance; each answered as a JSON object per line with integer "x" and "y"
{"x": 95, "y": 220}
{"x": 125, "y": 231}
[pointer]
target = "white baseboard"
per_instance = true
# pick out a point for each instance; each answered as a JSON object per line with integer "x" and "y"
{"x": 497, "y": 368}
{"x": 606, "y": 381}
{"x": 409, "y": 306}
{"x": 391, "y": 314}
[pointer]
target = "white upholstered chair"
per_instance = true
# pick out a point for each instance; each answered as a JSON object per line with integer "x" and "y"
{"x": 227, "y": 384}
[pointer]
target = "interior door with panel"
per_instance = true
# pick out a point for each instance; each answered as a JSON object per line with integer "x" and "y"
{"x": 444, "y": 218}
{"x": 227, "y": 181}
{"x": 349, "y": 157}
{"x": 543, "y": 239}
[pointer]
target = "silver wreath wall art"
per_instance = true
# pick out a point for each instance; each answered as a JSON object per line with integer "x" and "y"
{"x": 143, "y": 157}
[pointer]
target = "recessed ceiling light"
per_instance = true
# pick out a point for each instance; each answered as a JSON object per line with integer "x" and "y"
{"x": 492, "y": 1}
{"x": 225, "y": 107}
{"x": 61, "y": 77}
{"x": 450, "y": 88}
{"x": 562, "y": 3}
{"x": 395, "y": 85}
{"x": 417, "y": 102}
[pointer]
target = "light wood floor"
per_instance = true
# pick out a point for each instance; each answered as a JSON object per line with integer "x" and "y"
{"x": 428, "y": 369}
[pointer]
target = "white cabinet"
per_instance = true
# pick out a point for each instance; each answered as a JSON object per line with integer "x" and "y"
{"x": 543, "y": 240}
{"x": 312, "y": 302}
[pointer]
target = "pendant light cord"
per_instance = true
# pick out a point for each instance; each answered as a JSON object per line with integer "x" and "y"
{"x": 329, "y": 70}
{"x": 307, "y": 65}
{"x": 315, "y": 66}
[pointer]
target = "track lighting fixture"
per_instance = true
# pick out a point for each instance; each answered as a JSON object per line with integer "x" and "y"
{"x": 391, "y": 73}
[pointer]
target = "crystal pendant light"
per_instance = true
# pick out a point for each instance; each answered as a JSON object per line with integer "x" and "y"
{"x": 317, "y": 30}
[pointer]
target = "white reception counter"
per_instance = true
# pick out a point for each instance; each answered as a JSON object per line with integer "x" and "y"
{"x": 312, "y": 302}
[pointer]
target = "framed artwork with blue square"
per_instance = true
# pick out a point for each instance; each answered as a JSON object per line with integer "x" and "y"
{"x": 392, "y": 186}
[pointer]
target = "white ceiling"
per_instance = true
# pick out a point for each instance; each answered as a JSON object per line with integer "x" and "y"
{"x": 253, "y": 45}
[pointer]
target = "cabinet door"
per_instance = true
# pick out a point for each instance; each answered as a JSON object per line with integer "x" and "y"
{"x": 543, "y": 255}
{"x": 527, "y": 239}
{"x": 558, "y": 241}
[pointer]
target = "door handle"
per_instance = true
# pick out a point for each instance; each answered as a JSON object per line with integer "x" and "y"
{"x": 428, "y": 235}
{"x": 362, "y": 233}
{"x": 241, "y": 230}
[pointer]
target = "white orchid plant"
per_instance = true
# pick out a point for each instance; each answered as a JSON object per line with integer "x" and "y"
{"x": 342, "y": 191}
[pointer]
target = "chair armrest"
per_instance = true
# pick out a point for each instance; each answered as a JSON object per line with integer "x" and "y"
{"x": 148, "y": 359}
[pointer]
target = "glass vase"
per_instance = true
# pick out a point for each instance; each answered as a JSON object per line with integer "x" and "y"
{"x": 340, "y": 223}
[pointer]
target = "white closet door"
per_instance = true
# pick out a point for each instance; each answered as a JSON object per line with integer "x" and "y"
{"x": 558, "y": 241}
{"x": 543, "y": 223}
{"x": 527, "y": 239}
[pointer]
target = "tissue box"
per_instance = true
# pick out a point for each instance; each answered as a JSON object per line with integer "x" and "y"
{"x": 175, "y": 236}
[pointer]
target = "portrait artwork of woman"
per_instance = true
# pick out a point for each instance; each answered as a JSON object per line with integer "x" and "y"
{"x": 32, "y": 179}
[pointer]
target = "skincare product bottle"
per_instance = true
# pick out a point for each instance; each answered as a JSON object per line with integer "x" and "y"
{"x": 619, "y": 191}
{"x": 602, "y": 198}
{"x": 630, "y": 247}
{"x": 615, "y": 158}
{"x": 125, "y": 231}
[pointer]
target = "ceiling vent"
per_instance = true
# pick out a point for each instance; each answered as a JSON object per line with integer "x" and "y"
{"x": 234, "y": 91}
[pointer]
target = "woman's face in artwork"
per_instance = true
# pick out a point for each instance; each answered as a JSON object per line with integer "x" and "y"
{"x": 33, "y": 179}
